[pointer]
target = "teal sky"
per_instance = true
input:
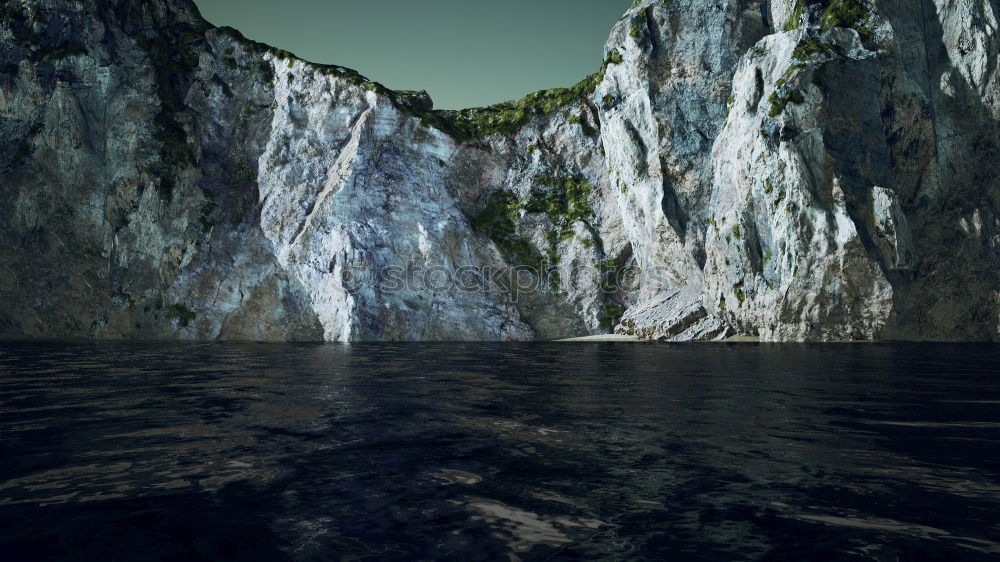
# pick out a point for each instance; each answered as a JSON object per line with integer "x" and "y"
{"x": 466, "y": 53}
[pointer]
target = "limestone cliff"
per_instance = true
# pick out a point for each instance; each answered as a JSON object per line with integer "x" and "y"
{"x": 797, "y": 170}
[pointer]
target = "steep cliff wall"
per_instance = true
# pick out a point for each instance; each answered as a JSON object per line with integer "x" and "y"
{"x": 795, "y": 170}
{"x": 827, "y": 169}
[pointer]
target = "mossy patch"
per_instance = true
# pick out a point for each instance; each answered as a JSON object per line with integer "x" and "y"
{"x": 639, "y": 22}
{"x": 613, "y": 274}
{"x": 611, "y": 315}
{"x": 509, "y": 117}
{"x": 181, "y": 314}
{"x": 266, "y": 69}
{"x": 850, "y": 14}
{"x": 64, "y": 50}
{"x": 498, "y": 221}
{"x": 812, "y": 48}
{"x": 476, "y": 123}
{"x": 562, "y": 200}
{"x": 795, "y": 17}
{"x": 740, "y": 295}
{"x": 465, "y": 125}
{"x": 780, "y": 99}
{"x": 588, "y": 130}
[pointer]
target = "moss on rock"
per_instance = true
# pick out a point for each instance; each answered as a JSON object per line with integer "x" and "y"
{"x": 181, "y": 314}
{"x": 850, "y": 14}
{"x": 795, "y": 17}
{"x": 781, "y": 98}
{"x": 563, "y": 199}
{"x": 498, "y": 221}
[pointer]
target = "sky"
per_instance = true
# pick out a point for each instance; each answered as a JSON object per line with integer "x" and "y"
{"x": 465, "y": 53}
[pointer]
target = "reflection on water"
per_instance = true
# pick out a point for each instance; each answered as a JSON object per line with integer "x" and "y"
{"x": 481, "y": 451}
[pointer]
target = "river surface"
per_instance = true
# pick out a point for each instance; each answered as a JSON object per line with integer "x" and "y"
{"x": 499, "y": 452}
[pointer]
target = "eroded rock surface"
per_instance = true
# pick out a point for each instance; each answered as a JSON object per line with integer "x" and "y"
{"x": 793, "y": 170}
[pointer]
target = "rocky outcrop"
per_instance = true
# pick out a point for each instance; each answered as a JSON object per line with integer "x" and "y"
{"x": 676, "y": 315}
{"x": 793, "y": 170}
{"x": 821, "y": 210}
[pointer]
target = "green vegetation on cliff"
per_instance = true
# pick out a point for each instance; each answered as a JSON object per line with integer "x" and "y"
{"x": 498, "y": 220}
{"x": 849, "y": 14}
{"x": 463, "y": 125}
{"x": 181, "y": 314}
{"x": 780, "y": 99}
{"x": 795, "y": 17}
{"x": 509, "y": 117}
{"x": 563, "y": 200}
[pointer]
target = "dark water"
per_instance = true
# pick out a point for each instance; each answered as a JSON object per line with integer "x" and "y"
{"x": 481, "y": 452}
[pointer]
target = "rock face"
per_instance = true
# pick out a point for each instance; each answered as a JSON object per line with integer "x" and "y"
{"x": 793, "y": 170}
